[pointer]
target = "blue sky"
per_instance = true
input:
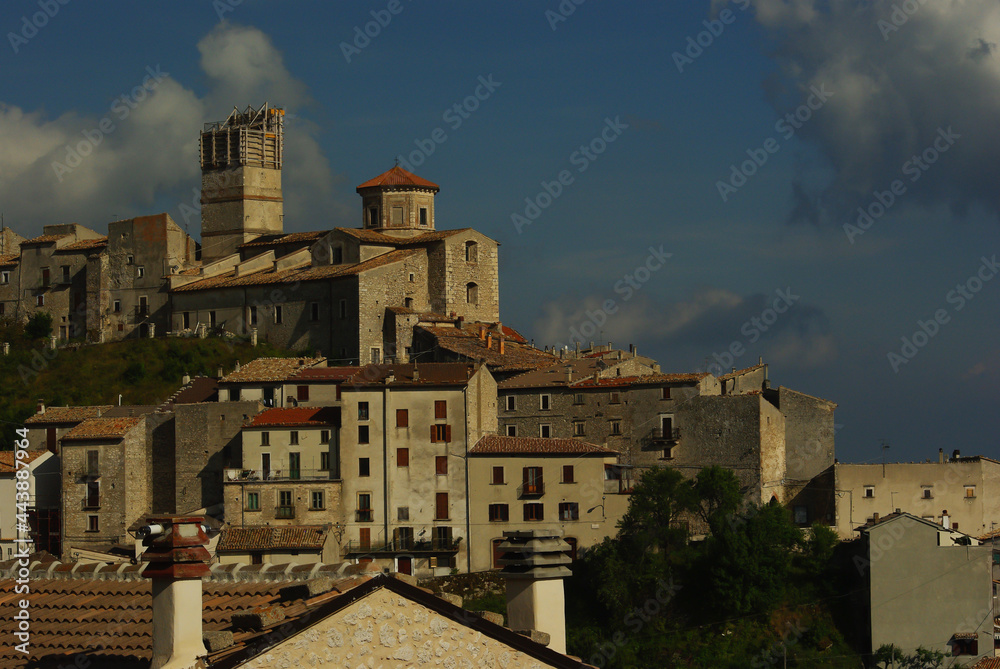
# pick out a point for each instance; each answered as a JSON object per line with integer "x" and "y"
{"x": 890, "y": 87}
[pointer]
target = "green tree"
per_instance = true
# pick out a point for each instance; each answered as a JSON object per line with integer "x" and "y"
{"x": 39, "y": 326}
{"x": 718, "y": 491}
{"x": 891, "y": 656}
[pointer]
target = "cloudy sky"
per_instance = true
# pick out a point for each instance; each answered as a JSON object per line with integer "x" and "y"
{"x": 810, "y": 182}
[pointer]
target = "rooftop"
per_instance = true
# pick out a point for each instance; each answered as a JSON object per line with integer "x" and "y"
{"x": 9, "y": 260}
{"x": 44, "y": 239}
{"x": 298, "y": 537}
{"x": 498, "y": 445}
{"x": 53, "y": 415}
{"x": 414, "y": 374}
{"x": 85, "y": 245}
{"x": 397, "y": 176}
{"x": 297, "y": 417}
{"x": 102, "y": 428}
{"x": 291, "y": 238}
{"x": 269, "y": 369}
{"x": 741, "y": 372}
{"x": 7, "y": 459}
{"x": 465, "y": 343}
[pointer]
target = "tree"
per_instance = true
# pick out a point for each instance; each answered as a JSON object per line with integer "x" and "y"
{"x": 720, "y": 497}
{"x": 891, "y": 656}
{"x": 39, "y": 325}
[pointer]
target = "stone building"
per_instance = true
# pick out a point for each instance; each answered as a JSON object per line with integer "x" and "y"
{"x": 42, "y": 497}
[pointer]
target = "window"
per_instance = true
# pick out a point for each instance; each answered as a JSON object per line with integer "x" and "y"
{"x": 376, "y": 356}
{"x": 616, "y": 427}
{"x": 615, "y": 397}
{"x": 324, "y": 461}
{"x": 578, "y": 398}
{"x": 4, "y": 277}
{"x": 130, "y": 260}
{"x": 442, "y": 538}
{"x": 569, "y": 511}
{"x": 293, "y": 437}
{"x": 579, "y": 428}
{"x": 534, "y": 511}
{"x": 40, "y": 301}
{"x": 265, "y": 465}
{"x": 512, "y": 430}
{"x": 568, "y": 474}
{"x": 286, "y": 508}
{"x": 253, "y": 501}
{"x": 93, "y": 463}
{"x": 187, "y": 317}
{"x": 302, "y": 393}
{"x": 472, "y": 293}
{"x": 544, "y": 402}
{"x": 499, "y": 513}
{"x": 413, "y": 277}
{"x": 926, "y": 492}
{"x": 211, "y": 318}
{"x": 265, "y": 438}
{"x": 364, "y": 469}
{"x": 402, "y": 418}
{"x": 665, "y": 393}
{"x": 343, "y": 309}
{"x": 801, "y": 514}
{"x": 441, "y": 465}
{"x": 965, "y": 644}
{"x": 511, "y": 402}
{"x": 870, "y": 491}
{"x": 278, "y": 314}
{"x": 316, "y": 500}
{"x": 402, "y": 457}
{"x": 92, "y": 524}
{"x": 65, "y": 273}
{"x": 404, "y": 535}
{"x": 362, "y": 434}
{"x": 441, "y": 506}
{"x": 497, "y": 478}
{"x": 970, "y": 491}
{"x": 440, "y": 433}
{"x": 93, "y": 500}
{"x": 362, "y": 410}
{"x": 294, "y": 466}
{"x": 423, "y": 216}
{"x": 440, "y": 409}
{"x": 45, "y": 277}
{"x": 408, "y": 302}
{"x": 314, "y": 311}
{"x": 471, "y": 252}
{"x": 140, "y": 272}
{"x": 531, "y": 481}
{"x": 3, "y": 308}
{"x": 545, "y": 431}
{"x": 403, "y": 513}
{"x": 372, "y": 217}
{"x": 365, "y": 513}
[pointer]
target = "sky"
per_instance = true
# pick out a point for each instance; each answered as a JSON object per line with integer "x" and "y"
{"x": 811, "y": 183}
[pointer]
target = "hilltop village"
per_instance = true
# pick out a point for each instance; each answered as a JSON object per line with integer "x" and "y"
{"x": 418, "y": 435}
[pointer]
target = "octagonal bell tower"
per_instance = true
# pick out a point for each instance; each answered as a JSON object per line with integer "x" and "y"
{"x": 398, "y": 203}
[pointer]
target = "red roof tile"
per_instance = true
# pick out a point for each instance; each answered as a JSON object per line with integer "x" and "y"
{"x": 66, "y": 415}
{"x": 298, "y": 537}
{"x": 102, "y": 428}
{"x": 291, "y": 238}
{"x": 297, "y": 417}
{"x": 397, "y": 176}
{"x": 498, "y": 445}
{"x": 739, "y": 372}
{"x": 85, "y": 245}
{"x": 374, "y": 237}
{"x": 44, "y": 239}
{"x": 646, "y": 379}
{"x": 7, "y": 460}
{"x": 465, "y": 343}
{"x": 9, "y": 260}
{"x": 427, "y": 373}
{"x": 324, "y": 374}
{"x": 270, "y": 369}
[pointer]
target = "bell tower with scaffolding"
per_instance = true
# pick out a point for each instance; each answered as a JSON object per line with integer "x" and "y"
{"x": 241, "y": 180}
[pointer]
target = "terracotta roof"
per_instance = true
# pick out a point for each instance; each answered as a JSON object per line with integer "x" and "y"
{"x": 85, "y": 245}
{"x": 102, "y": 428}
{"x": 987, "y": 663}
{"x": 397, "y": 176}
{"x": 739, "y": 372}
{"x": 374, "y": 237}
{"x": 427, "y": 374}
{"x": 324, "y": 374}
{"x": 269, "y": 369}
{"x": 201, "y": 389}
{"x": 291, "y": 238}
{"x": 304, "y": 272}
{"x": 7, "y": 460}
{"x": 44, "y": 239}
{"x": 66, "y": 415}
{"x": 465, "y": 343}
{"x": 9, "y": 260}
{"x": 498, "y": 445}
{"x": 297, "y": 417}
{"x": 297, "y": 537}
{"x": 644, "y": 380}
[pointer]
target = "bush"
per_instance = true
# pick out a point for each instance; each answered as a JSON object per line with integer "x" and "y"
{"x": 39, "y": 326}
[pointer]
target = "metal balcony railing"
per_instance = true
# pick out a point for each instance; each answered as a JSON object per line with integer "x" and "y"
{"x": 536, "y": 489}
{"x": 232, "y": 475}
{"x": 364, "y": 515}
{"x": 671, "y": 435}
{"x": 403, "y": 547}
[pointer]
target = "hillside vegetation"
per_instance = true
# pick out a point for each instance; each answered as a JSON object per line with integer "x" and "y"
{"x": 142, "y": 371}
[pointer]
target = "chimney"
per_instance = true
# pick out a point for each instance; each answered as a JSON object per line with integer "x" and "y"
{"x": 177, "y": 560}
{"x": 956, "y": 455}
{"x": 218, "y": 372}
{"x": 186, "y": 379}
{"x": 875, "y": 517}
{"x": 569, "y": 373}
{"x": 459, "y": 322}
{"x": 41, "y": 407}
{"x": 489, "y": 340}
{"x": 534, "y": 566}
{"x": 501, "y": 344}
{"x": 482, "y": 332}
{"x": 578, "y": 349}
{"x": 416, "y": 372}
{"x": 940, "y": 456}
{"x": 945, "y": 520}
{"x": 237, "y": 368}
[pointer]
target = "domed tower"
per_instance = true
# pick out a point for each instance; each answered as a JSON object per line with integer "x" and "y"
{"x": 398, "y": 203}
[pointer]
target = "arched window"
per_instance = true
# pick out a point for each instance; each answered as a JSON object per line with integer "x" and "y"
{"x": 472, "y": 293}
{"x": 471, "y": 252}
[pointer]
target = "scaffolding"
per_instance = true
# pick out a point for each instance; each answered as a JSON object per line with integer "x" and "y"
{"x": 253, "y": 137}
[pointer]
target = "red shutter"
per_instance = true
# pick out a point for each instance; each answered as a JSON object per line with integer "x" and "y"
{"x": 447, "y": 433}
{"x": 434, "y": 436}
{"x": 442, "y": 506}
{"x": 402, "y": 418}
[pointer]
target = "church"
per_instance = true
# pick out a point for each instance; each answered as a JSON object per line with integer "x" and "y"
{"x": 354, "y": 294}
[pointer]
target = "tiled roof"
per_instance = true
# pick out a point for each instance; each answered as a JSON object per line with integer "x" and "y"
{"x": 397, "y": 176}
{"x": 297, "y": 417}
{"x": 373, "y": 237}
{"x": 66, "y": 415}
{"x": 645, "y": 379}
{"x": 102, "y": 428}
{"x": 291, "y": 238}
{"x": 304, "y": 272}
{"x": 465, "y": 343}
{"x": 269, "y": 369}
{"x": 7, "y": 460}
{"x": 498, "y": 445}
{"x": 201, "y": 389}
{"x": 44, "y": 239}
{"x": 324, "y": 374}
{"x": 297, "y": 537}
{"x": 740, "y": 372}
{"x": 427, "y": 373}
{"x": 9, "y": 260}
{"x": 987, "y": 663}
{"x": 85, "y": 245}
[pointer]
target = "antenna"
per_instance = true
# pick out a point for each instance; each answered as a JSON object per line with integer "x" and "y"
{"x": 885, "y": 447}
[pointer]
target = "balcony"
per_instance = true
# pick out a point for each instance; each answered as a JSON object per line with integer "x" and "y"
{"x": 364, "y": 515}
{"x": 245, "y": 475}
{"x": 530, "y": 490}
{"x": 284, "y": 512}
{"x": 142, "y": 311}
{"x": 404, "y": 547}
{"x": 659, "y": 435}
